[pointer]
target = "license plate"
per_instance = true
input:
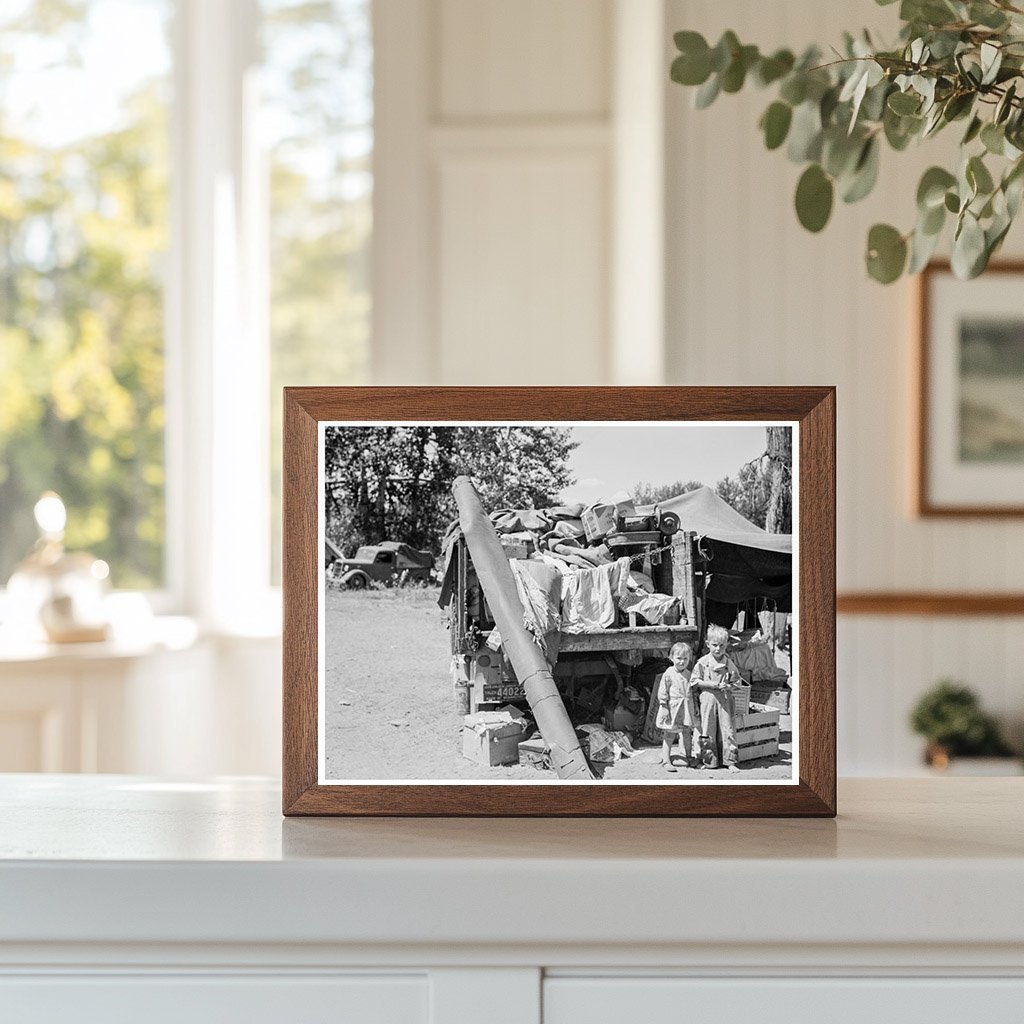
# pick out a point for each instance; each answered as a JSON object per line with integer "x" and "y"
{"x": 503, "y": 691}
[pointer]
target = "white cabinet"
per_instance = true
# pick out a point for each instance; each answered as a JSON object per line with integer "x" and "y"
{"x": 132, "y": 898}
{"x": 827, "y": 1000}
{"x": 203, "y": 999}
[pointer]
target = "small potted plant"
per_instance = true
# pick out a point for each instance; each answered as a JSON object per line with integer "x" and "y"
{"x": 950, "y": 718}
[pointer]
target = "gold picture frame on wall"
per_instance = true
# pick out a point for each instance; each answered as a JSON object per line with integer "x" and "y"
{"x": 969, "y": 449}
{"x": 322, "y": 703}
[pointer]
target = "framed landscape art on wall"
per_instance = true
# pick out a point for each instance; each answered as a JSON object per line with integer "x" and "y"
{"x": 559, "y": 601}
{"x": 970, "y": 444}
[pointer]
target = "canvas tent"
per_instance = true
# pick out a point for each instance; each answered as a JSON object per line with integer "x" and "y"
{"x": 743, "y": 562}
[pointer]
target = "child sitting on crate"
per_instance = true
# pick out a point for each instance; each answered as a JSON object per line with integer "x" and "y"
{"x": 715, "y": 678}
{"x": 677, "y": 709}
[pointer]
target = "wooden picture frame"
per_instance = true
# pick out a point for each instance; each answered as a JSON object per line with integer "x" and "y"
{"x": 952, "y": 476}
{"x": 810, "y": 409}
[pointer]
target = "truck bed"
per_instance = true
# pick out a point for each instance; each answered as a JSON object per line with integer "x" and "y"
{"x": 627, "y": 638}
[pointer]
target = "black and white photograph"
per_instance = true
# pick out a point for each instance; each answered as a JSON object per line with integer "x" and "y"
{"x": 558, "y": 602}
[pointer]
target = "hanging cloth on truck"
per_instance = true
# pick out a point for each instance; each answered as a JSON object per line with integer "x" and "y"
{"x": 590, "y": 597}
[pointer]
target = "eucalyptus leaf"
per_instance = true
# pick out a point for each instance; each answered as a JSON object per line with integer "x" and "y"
{"x": 995, "y": 233}
{"x": 771, "y": 69}
{"x": 900, "y": 130}
{"x": 933, "y": 122}
{"x": 840, "y": 152}
{"x": 805, "y": 133}
{"x": 827, "y": 106}
{"x": 931, "y": 190}
{"x": 814, "y": 195}
{"x": 922, "y": 248}
{"x": 987, "y": 15}
{"x": 952, "y": 202}
{"x": 903, "y": 103}
{"x": 865, "y": 173}
{"x": 993, "y": 138}
{"x": 1013, "y": 187}
{"x": 932, "y": 221}
{"x": 1005, "y": 105}
{"x": 775, "y": 124}
{"x": 735, "y": 74}
{"x": 978, "y": 176}
{"x": 1014, "y": 191}
{"x": 925, "y": 87}
{"x": 873, "y": 106}
{"x": 991, "y": 60}
{"x": 794, "y": 88}
{"x": 725, "y": 50}
{"x": 973, "y": 130}
{"x": 707, "y": 93}
{"x": 886, "y": 253}
{"x": 958, "y": 105}
{"x": 968, "y": 247}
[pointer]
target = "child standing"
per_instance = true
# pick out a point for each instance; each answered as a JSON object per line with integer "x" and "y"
{"x": 677, "y": 712}
{"x": 714, "y": 677}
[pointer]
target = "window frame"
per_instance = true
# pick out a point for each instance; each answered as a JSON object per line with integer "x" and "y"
{"x": 216, "y": 338}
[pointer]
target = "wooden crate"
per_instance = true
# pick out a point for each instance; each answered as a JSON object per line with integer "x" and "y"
{"x": 757, "y": 733}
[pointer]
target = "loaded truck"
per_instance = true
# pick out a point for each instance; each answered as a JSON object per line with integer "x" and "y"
{"x": 593, "y": 669}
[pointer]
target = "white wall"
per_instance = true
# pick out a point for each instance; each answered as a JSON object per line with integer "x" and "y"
{"x": 754, "y": 299}
{"x": 508, "y": 251}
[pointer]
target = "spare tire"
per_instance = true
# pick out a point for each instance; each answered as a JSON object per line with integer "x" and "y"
{"x": 668, "y": 523}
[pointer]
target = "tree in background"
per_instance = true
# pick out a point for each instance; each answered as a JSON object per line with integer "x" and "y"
{"x": 779, "y": 516}
{"x": 394, "y": 483}
{"x": 649, "y": 494}
{"x": 747, "y": 492}
{"x": 762, "y": 491}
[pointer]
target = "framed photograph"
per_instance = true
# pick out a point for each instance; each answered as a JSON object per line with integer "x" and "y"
{"x": 970, "y": 444}
{"x": 559, "y": 601}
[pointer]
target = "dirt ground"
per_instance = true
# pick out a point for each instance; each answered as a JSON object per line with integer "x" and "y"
{"x": 390, "y": 710}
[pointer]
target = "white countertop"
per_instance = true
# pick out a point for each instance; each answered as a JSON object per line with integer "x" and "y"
{"x": 121, "y": 859}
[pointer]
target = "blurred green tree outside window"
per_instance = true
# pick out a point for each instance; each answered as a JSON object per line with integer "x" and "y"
{"x": 317, "y": 121}
{"x": 84, "y": 211}
{"x": 83, "y": 238}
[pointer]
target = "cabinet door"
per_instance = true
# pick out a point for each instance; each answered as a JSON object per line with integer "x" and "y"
{"x": 205, "y": 999}
{"x": 568, "y": 1000}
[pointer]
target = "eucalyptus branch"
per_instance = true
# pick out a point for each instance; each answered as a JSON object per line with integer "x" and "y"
{"x": 954, "y": 58}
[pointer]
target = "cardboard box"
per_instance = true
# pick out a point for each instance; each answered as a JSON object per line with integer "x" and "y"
{"x": 492, "y": 745}
{"x": 599, "y": 519}
{"x": 516, "y": 545}
{"x": 492, "y": 737}
{"x": 772, "y": 696}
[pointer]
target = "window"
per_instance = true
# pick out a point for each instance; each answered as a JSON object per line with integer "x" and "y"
{"x": 317, "y": 118}
{"x": 83, "y": 237}
{"x": 175, "y": 246}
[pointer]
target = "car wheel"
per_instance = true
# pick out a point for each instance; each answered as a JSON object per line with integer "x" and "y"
{"x": 357, "y": 583}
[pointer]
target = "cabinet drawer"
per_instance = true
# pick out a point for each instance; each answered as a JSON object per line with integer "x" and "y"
{"x": 568, "y": 1000}
{"x": 205, "y": 999}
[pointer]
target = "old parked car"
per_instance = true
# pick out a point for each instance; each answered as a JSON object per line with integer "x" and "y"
{"x": 388, "y": 562}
